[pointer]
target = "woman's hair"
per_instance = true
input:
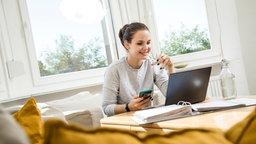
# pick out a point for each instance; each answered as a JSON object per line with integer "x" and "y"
{"x": 128, "y": 30}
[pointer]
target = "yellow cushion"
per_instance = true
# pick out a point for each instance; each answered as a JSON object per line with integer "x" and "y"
{"x": 244, "y": 132}
{"x": 29, "y": 118}
{"x": 189, "y": 136}
{"x": 59, "y": 132}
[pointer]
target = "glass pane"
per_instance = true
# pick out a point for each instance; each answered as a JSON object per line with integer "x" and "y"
{"x": 67, "y": 35}
{"x": 182, "y": 26}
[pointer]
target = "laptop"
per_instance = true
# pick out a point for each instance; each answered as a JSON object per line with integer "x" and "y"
{"x": 188, "y": 86}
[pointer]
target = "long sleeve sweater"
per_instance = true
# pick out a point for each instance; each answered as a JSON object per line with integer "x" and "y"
{"x": 122, "y": 82}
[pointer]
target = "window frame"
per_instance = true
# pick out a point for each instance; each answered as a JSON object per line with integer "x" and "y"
{"x": 87, "y": 78}
{"x": 196, "y": 59}
{"x": 70, "y": 80}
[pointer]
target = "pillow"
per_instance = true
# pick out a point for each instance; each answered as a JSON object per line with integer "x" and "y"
{"x": 13, "y": 109}
{"x": 96, "y": 115}
{"x": 48, "y": 112}
{"x": 59, "y": 132}
{"x": 244, "y": 132}
{"x": 30, "y": 119}
{"x": 82, "y": 117}
{"x": 10, "y": 130}
{"x": 158, "y": 98}
{"x": 82, "y": 101}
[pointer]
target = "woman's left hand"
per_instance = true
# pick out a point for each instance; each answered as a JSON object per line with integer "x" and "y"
{"x": 165, "y": 61}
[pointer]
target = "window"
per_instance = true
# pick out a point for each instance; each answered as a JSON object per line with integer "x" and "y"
{"x": 182, "y": 29}
{"x": 67, "y": 40}
{"x": 64, "y": 40}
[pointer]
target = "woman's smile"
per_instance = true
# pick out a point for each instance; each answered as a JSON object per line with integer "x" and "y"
{"x": 144, "y": 53}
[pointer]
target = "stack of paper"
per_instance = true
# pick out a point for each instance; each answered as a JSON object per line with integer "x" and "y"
{"x": 178, "y": 111}
{"x": 223, "y": 104}
{"x": 161, "y": 113}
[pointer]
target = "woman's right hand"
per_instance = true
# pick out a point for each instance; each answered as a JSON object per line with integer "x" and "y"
{"x": 138, "y": 103}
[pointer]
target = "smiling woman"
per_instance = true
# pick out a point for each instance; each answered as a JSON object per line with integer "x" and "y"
{"x": 132, "y": 74}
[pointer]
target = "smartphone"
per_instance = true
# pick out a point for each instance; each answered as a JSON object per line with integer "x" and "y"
{"x": 145, "y": 93}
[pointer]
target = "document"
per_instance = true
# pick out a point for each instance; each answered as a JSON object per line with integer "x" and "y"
{"x": 223, "y": 104}
{"x": 161, "y": 113}
{"x": 178, "y": 111}
{"x": 215, "y": 105}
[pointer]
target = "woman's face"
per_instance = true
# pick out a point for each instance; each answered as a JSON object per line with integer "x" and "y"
{"x": 140, "y": 45}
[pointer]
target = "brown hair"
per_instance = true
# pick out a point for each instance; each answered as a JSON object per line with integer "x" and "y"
{"x": 128, "y": 30}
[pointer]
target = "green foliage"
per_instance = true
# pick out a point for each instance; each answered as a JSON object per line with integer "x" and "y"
{"x": 185, "y": 41}
{"x": 66, "y": 58}
{"x": 43, "y": 70}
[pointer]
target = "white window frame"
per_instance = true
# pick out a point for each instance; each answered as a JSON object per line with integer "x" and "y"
{"x": 123, "y": 12}
{"x": 3, "y": 44}
{"x": 3, "y": 88}
{"x": 66, "y": 81}
{"x": 196, "y": 59}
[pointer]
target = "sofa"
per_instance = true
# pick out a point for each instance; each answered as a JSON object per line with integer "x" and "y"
{"x": 28, "y": 126}
{"x": 82, "y": 108}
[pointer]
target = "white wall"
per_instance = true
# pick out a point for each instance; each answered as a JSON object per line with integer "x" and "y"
{"x": 231, "y": 42}
{"x": 246, "y": 10}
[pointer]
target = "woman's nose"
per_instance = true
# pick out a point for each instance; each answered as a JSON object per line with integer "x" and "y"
{"x": 146, "y": 46}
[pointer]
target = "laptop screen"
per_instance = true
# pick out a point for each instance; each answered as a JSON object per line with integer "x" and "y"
{"x": 190, "y": 86}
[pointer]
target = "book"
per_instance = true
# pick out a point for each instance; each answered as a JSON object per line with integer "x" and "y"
{"x": 215, "y": 105}
{"x": 185, "y": 109}
{"x": 223, "y": 104}
{"x": 161, "y": 113}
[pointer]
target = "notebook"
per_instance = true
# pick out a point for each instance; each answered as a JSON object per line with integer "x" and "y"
{"x": 180, "y": 110}
{"x": 188, "y": 86}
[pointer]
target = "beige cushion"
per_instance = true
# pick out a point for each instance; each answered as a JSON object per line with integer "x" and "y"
{"x": 83, "y": 108}
{"x": 158, "y": 98}
{"x": 13, "y": 109}
{"x": 80, "y": 101}
{"x": 48, "y": 112}
{"x": 81, "y": 117}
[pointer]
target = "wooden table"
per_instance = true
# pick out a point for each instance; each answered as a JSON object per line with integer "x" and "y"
{"x": 220, "y": 119}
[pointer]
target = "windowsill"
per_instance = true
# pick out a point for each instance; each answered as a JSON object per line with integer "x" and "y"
{"x": 97, "y": 81}
{"x": 57, "y": 85}
{"x": 65, "y": 92}
{"x": 200, "y": 63}
{"x": 196, "y": 64}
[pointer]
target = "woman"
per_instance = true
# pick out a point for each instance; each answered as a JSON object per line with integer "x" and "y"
{"x": 128, "y": 76}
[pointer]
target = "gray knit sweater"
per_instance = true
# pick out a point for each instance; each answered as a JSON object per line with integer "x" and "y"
{"x": 122, "y": 82}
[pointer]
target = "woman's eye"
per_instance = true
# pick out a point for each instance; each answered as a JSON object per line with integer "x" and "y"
{"x": 148, "y": 43}
{"x": 139, "y": 43}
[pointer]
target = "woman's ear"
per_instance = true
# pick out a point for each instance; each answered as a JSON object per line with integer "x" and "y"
{"x": 126, "y": 44}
